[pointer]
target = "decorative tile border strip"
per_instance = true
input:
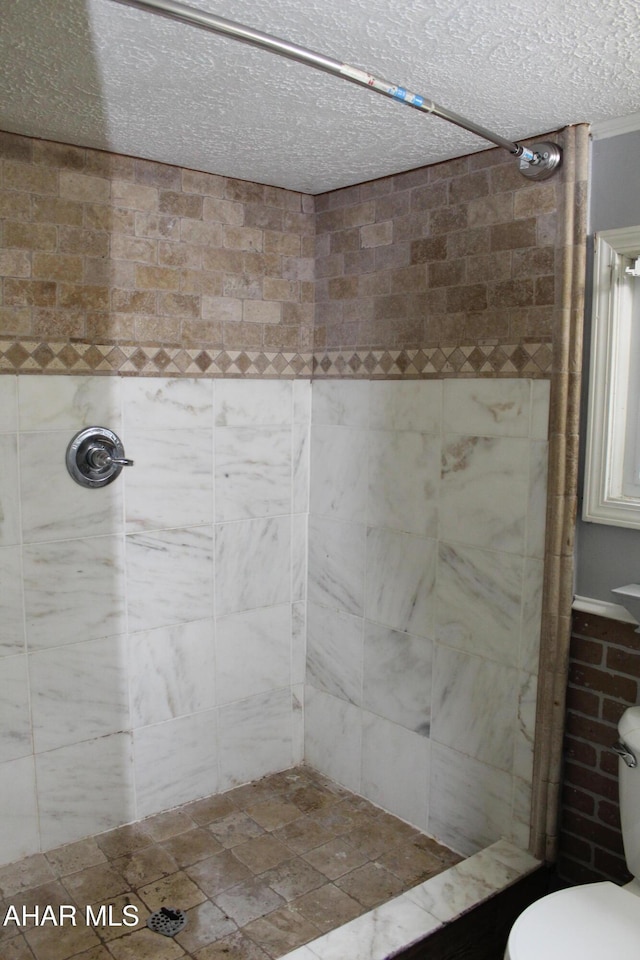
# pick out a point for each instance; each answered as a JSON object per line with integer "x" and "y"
{"x": 454, "y": 360}
{"x": 133, "y": 359}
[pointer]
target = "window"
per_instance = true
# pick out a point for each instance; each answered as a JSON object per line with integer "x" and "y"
{"x": 612, "y": 475}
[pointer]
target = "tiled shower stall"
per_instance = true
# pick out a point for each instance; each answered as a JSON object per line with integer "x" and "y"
{"x": 331, "y": 545}
{"x": 286, "y": 573}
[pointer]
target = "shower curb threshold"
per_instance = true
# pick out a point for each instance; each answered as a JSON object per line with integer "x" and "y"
{"x": 421, "y": 911}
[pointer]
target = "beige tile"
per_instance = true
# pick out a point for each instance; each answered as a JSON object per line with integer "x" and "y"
{"x": 75, "y": 856}
{"x": 335, "y": 858}
{"x": 293, "y": 878}
{"x": 123, "y": 840}
{"x": 210, "y": 809}
{"x": 374, "y": 838}
{"x": 176, "y": 890}
{"x": 327, "y": 907}
{"x": 30, "y": 872}
{"x": 206, "y": 923}
{"x": 218, "y": 872}
{"x": 235, "y": 947}
{"x": 304, "y": 834}
{"x": 95, "y": 884}
{"x": 146, "y": 865}
{"x": 36, "y": 900}
{"x": 370, "y": 884}
{"x": 261, "y": 853}
{"x": 117, "y": 923}
{"x": 235, "y": 828}
{"x": 272, "y": 814}
{"x": 146, "y": 945}
{"x": 281, "y": 931}
{"x": 411, "y": 864}
{"x": 62, "y": 942}
{"x": 18, "y": 949}
{"x": 248, "y": 900}
{"x": 166, "y": 825}
{"x": 191, "y": 847}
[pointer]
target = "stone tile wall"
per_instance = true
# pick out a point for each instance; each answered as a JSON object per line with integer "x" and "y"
{"x": 114, "y": 264}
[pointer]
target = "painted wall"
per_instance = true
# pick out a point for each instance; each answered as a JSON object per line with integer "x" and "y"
{"x": 608, "y": 556}
{"x": 426, "y": 545}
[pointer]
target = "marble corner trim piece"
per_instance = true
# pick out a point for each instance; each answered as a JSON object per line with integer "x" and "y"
{"x": 440, "y": 900}
{"x": 133, "y": 359}
{"x": 531, "y": 360}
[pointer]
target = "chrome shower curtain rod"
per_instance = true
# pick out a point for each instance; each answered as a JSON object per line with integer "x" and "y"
{"x": 537, "y": 162}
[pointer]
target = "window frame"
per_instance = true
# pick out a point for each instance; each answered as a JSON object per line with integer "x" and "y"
{"x": 611, "y": 338}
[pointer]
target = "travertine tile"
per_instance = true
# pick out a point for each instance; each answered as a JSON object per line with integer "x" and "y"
{"x": 370, "y": 884}
{"x": 335, "y": 858}
{"x": 176, "y": 890}
{"x": 327, "y": 907}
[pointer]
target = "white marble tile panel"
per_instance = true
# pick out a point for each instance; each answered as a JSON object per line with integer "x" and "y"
{"x": 400, "y": 581}
{"x": 479, "y": 597}
{"x": 469, "y": 801}
{"x": 172, "y": 672}
{"x": 334, "y": 653}
{"x": 15, "y": 720}
{"x": 302, "y": 394}
{"x": 484, "y": 491}
{"x": 299, "y": 555}
{"x": 298, "y": 642}
{"x": 397, "y": 677}
{"x": 79, "y": 692}
{"x": 74, "y": 590}
{"x": 253, "y": 564}
{"x": 378, "y": 934}
{"x": 512, "y": 855}
{"x": 171, "y": 481}
{"x": 537, "y": 504}
{"x": 487, "y": 407}
{"x": 340, "y": 402}
{"x": 253, "y": 652}
{"x": 19, "y": 835}
{"x": 531, "y": 614}
{"x": 250, "y": 403}
{"x": 339, "y": 472}
{"x": 395, "y": 769}
{"x": 84, "y": 789}
{"x": 154, "y": 403}
{"x": 337, "y": 564}
{"x": 463, "y": 685}
{"x": 69, "y": 403}
{"x": 406, "y": 405}
{"x": 333, "y": 738}
{"x": 540, "y": 397}
{"x": 302, "y": 953}
{"x": 253, "y": 472}
{"x": 9, "y": 490}
{"x": 301, "y": 449}
{"x": 521, "y": 818}
{"x": 175, "y": 762}
{"x": 404, "y": 476}
{"x": 55, "y": 507}
{"x": 459, "y": 888}
{"x": 297, "y": 723}
{"x": 12, "y": 634}
{"x": 169, "y": 577}
{"x": 524, "y": 733}
{"x": 256, "y": 737}
{"x": 8, "y": 404}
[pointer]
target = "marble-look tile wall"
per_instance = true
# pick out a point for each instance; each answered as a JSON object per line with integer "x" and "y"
{"x": 426, "y": 546}
{"x": 152, "y": 631}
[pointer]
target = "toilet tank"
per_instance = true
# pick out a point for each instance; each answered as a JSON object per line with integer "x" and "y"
{"x": 629, "y": 730}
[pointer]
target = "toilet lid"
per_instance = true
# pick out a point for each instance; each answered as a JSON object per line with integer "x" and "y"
{"x": 596, "y": 921}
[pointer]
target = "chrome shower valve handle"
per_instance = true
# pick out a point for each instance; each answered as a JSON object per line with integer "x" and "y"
{"x": 95, "y": 457}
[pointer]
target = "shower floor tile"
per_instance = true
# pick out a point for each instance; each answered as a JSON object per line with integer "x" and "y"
{"x": 259, "y": 871}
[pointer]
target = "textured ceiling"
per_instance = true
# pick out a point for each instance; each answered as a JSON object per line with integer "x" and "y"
{"x": 99, "y": 74}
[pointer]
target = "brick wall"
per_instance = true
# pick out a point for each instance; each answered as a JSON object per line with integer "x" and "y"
{"x": 604, "y": 670}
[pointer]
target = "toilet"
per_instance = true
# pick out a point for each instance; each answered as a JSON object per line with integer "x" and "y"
{"x": 594, "y": 921}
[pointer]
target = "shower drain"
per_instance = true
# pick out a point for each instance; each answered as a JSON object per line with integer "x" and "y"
{"x": 168, "y": 921}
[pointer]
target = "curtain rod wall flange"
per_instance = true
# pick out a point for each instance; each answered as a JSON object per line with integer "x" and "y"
{"x": 537, "y": 162}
